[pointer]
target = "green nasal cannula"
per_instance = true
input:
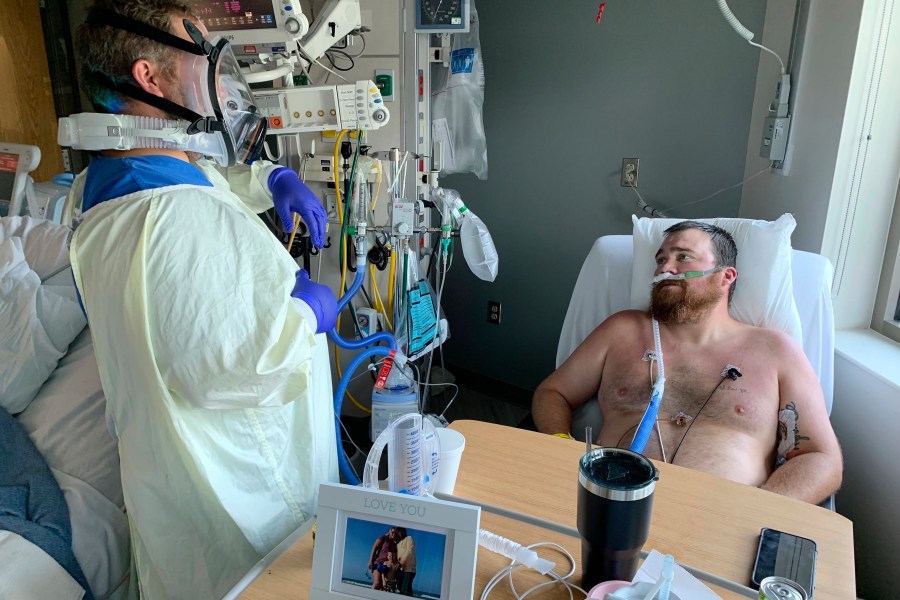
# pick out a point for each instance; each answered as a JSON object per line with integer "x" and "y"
{"x": 685, "y": 275}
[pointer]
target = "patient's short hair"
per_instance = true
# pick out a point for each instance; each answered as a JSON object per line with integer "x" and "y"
{"x": 108, "y": 53}
{"x": 723, "y": 246}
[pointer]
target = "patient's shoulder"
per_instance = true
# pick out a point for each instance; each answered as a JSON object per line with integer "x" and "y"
{"x": 774, "y": 341}
{"x": 623, "y": 325}
{"x": 625, "y": 320}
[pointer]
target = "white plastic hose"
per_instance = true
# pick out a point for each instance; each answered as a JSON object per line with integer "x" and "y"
{"x": 744, "y": 32}
{"x": 261, "y": 76}
{"x": 514, "y": 551}
{"x": 657, "y": 347}
{"x": 733, "y": 21}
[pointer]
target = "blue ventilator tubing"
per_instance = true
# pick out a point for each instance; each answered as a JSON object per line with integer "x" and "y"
{"x": 645, "y": 427}
{"x": 343, "y": 462}
{"x": 354, "y": 287}
{"x": 375, "y": 338}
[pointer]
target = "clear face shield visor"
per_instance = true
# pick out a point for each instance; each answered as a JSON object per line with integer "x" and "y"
{"x": 215, "y": 89}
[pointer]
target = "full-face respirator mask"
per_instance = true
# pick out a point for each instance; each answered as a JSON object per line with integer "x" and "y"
{"x": 215, "y": 115}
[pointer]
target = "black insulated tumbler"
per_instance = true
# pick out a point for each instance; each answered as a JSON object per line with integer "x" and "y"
{"x": 615, "y": 500}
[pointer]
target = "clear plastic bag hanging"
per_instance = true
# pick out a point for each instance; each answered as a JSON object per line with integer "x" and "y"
{"x": 457, "y": 98}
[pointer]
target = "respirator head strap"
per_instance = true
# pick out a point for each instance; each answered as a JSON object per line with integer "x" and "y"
{"x": 137, "y": 93}
{"x": 206, "y": 125}
{"x": 211, "y": 51}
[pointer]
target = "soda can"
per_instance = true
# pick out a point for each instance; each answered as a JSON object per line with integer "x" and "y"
{"x": 781, "y": 588}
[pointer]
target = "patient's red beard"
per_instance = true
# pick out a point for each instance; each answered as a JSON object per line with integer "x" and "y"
{"x": 688, "y": 306}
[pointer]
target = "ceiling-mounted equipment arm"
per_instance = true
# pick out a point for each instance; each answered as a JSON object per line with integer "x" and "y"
{"x": 338, "y": 19}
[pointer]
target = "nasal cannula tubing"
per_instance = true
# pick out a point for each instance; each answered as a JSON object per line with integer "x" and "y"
{"x": 685, "y": 275}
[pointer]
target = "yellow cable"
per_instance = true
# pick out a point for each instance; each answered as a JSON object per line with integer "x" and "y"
{"x": 392, "y": 274}
{"x": 337, "y": 191}
{"x": 375, "y": 296}
{"x": 377, "y": 165}
{"x": 379, "y": 303}
{"x": 293, "y": 233}
{"x": 383, "y": 308}
{"x": 337, "y": 175}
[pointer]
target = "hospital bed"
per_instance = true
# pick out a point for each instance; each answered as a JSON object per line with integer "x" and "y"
{"x": 66, "y": 421}
{"x": 604, "y": 285}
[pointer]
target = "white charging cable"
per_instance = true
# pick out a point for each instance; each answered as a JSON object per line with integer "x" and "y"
{"x": 507, "y": 572}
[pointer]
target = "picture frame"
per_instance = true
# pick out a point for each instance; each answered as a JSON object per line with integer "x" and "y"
{"x": 357, "y": 524}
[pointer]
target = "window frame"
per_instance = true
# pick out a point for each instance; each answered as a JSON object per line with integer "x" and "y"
{"x": 886, "y": 313}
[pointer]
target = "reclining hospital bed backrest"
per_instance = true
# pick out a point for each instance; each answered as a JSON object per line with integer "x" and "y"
{"x": 604, "y": 287}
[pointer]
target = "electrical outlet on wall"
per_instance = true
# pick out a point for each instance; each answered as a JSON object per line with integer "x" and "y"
{"x": 493, "y": 312}
{"x": 630, "y": 172}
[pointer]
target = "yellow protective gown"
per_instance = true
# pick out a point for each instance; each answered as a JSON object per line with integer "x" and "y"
{"x": 217, "y": 388}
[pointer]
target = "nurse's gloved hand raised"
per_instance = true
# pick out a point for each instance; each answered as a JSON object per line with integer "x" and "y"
{"x": 319, "y": 298}
{"x": 290, "y": 195}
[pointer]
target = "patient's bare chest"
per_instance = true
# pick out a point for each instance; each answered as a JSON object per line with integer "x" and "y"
{"x": 695, "y": 387}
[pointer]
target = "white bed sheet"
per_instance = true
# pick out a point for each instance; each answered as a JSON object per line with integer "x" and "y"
{"x": 67, "y": 423}
{"x": 100, "y": 538}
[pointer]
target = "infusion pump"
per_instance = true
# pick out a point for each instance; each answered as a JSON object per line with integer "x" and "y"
{"x": 318, "y": 108}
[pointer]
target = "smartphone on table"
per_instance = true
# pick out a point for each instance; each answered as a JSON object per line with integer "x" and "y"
{"x": 785, "y": 555}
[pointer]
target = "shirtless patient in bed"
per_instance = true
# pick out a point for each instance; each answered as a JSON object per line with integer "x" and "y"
{"x": 762, "y": 423}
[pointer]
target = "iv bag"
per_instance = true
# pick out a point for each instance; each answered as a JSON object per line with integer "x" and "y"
{"x": 457, "y": 97}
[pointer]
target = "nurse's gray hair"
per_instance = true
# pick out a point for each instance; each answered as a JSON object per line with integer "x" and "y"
{"x": 108, "y": 53}
{"x": 723, "y": 246}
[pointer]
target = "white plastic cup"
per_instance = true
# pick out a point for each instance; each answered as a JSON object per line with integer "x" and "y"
{"x": 452, "y": 445}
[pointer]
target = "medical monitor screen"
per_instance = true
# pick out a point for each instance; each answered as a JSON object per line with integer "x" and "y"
{"x": 9, "y": 162}
{"x": 232, "y": 15}
{"x": 424, "y": 553}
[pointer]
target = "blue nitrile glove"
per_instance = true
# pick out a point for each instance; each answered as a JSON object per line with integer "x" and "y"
{"x": 289, "y": 195}
{"x": 320, "y": 300}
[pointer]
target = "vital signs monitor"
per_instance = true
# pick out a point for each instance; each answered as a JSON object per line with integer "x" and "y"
{"x": 254, "y": 26}
{"x": 16, "y": 162}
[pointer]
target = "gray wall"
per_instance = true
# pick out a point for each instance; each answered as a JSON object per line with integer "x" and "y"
{"x": 566, "y": 99}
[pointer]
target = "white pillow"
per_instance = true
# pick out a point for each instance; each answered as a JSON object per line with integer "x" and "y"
{"x": 37, "y": 324}
{"x": 45, "y": 243}
{"x": 764, "y": 294}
